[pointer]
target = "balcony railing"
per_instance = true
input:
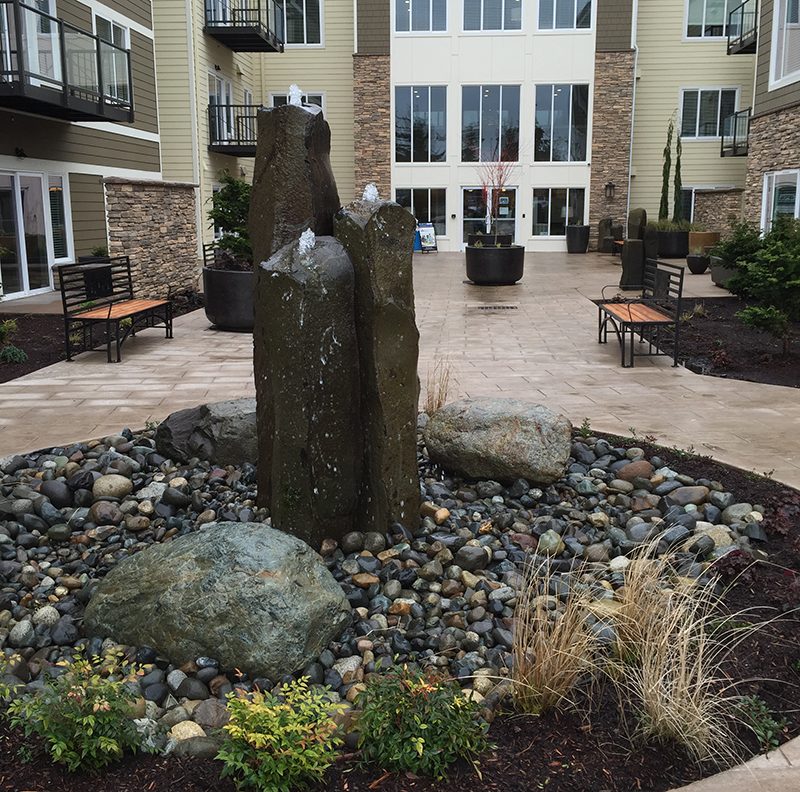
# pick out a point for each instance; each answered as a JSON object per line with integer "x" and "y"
{"x": 734, "y": 134}
{"x": 232, "y": 129}
{"x": 742, "y": 28}
{"x": 246, "y": 25}
{"x": 52, "y": 68}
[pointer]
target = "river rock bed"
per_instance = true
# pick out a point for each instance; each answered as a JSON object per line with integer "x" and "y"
{"x": 442, "y": 592}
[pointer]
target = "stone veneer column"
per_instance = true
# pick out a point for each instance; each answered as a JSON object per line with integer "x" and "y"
{"x": 773, "y": 144}
{"x": 372, "y": 123}
{"x": 717, "y": 209}
{"x": 611, "y": 137}
{"x": 155, "y": 224}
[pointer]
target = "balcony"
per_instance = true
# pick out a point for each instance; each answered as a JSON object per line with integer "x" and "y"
{"x": 51, "y": 68}
{"x": 232, "y": 129}
{"x": 734, "y": 134}
{"x": 742, "y": 25}
{"x": 246, "y": 25}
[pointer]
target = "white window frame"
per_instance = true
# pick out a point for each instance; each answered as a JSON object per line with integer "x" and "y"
{"x": 429, "y": 161}
{"x": 567, "y": 219}
{"x": 776, "y": 81}
{"x": 306, "y": 94}
{"x": 571, "y": 87}
{"x": 503, "y": 87}
{"x": 427, "y": 31}
{"x": 724, "y": 36}
{"x": 305, "y": 45}
{"x": 229, "y": 131}
{"x": 494, "y": 31}
{"x": 428, "y": 190}
{"x": 67, "y": 218}
{"x": 568, "y": 30}
{"x": 699, "y": 89}
{"x": 768, "y": 193}
{"x": 126, "y": 45}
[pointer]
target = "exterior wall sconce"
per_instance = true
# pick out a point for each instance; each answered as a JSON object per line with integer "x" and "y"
{"x": 610, "y": 188}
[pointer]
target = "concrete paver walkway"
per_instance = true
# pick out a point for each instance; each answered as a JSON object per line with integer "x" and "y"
{"x": 536, "y": 340}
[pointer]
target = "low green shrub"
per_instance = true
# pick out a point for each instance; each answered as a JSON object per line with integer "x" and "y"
{"x": 84, "y": 715}
{"x": 754, "y": 713}
{"x": 8, "y": 329}
{"x": 276, "y": 743}
{"x": 419, "y": 721}
{"x": 12, "y": 354}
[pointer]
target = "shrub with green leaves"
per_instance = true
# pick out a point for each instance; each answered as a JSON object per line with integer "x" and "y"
{"x": 754, "y": 713}
{"x": 230, "y": 208}
{"x": 12, "y": 354}
{"x": 84, "y": 715}
{"x": 419, "y": 721}
{"x": 276, "y": 743}
{"x": 8, "y": 329}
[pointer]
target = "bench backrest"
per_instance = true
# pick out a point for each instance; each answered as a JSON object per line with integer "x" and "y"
{"x": 90, "y": 284}
{"x": 663, "y": 283}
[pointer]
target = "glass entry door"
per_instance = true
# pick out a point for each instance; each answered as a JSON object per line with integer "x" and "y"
{"x": 477, "y": 206}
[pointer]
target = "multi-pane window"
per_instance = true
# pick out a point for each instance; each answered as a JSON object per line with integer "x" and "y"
{"x": 113, "y": 60}
{"x": 279, "y": 100}
{"x": 565, "y": 14}
{"x": 58, "y": 216}
{"x": 786, "y": 48}
{"x": 781, "y": 196}
{"x": 427, "y": 206}
{"x": 303, "y": 21}
{"x": 709, "y": 18}
{"x": 420, "y": 15}
{"x": 492, "y": 14}
{"x": 562, "y": 113}
{"x": 420, "y": 123}
{"x": 554, "y": 208}
{"x": 704, "y": 110}
{"x": 220, "y": 100}
{"x": 490, "y": 123}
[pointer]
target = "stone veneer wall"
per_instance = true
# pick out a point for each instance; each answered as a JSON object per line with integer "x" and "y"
{"x": 773, "y": 144}
{"x": 611, "y": 137}
{"x": 717, "y": 209}
{"x": 155, "y": 224}
{"x": 373, "y": 124}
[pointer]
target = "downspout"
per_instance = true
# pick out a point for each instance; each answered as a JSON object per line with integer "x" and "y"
{"x": 198, "y": 209}
{"x": 635, "y": 22}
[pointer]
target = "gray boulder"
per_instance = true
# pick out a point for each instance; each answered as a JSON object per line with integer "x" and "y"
{"x": 252, "y": 597}
{"x": 500, "y": 439}
{"x": 223, "y": 433}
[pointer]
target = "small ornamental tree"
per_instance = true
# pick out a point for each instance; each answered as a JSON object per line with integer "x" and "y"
{"x": 677, "y": 202}
{"x": 494, "y": 178}
{"x": 230, "y": 207}
{"x": 663, "y": 208}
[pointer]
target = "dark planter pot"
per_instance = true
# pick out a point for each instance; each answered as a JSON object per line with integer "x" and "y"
{"x": 495, "y": 266}
{"x": 94, "y": 259}
{"x": 489, "y": 240}
{"x": 577, "y": 239}
{"x": 228, "y": 298}
{"x": 721, "y": 272}
{"x": 673, "y": 244}
{"x": 697, "y": 264}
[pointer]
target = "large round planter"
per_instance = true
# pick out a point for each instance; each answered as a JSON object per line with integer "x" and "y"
{"x": 697, "y": 264}
{"x": 489, "y": 240}
{"x": 577, "y": 238}
{"x": 673, "y": 244}
{"x": 721, "y": 272}
{"x": 495, "y": 266}
{"x": 228, "y": 296}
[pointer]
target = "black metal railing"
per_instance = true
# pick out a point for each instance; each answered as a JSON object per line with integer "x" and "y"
{"x": 51, "y": 67}
{"x": 246, "y": 25}
{"x": 735, "y": 129}
{"x": 742, "y": 28}
{"x": 232, "y": 128}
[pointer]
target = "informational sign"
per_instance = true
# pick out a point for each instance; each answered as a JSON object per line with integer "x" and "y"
{"x": 427, "y": 237}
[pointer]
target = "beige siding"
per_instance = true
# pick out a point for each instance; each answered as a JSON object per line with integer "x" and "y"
{"x": 88, "y": 212}
{"x": 666, "y": 64}
{"x": 144, "y": 83}
{"x": 768, "y": 101}
{"x": 614, "y": 20}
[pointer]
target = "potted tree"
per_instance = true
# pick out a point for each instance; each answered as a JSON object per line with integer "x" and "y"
{"x": 228, "y": 260}
{"x": 492, "y": 259}
{"x": 698, "y": 260}
{"x": 577, "y": 236}
{"x": 673, "y": 235}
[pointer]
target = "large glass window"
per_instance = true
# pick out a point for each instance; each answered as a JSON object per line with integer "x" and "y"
{"x": 565, "y": 14}
{"x": 303, "y": 21}
{"x": 709, "y": 18}
{"x": 704, "y": 110}
{"x": 420, "y": 123}
{"x": 427, "y": 206}
{"x": 492, "y": 14}
{"x": 113, "y": 60}
{"x": 490, "y": 123}
{"x": 562, "y": 113}
{"x": 786, "y": 41}
{"x": 781, "y": 196}
{"x": 278, "y": 100}
{"x": 420, "y": 15}
{"x": 554, "y": 208}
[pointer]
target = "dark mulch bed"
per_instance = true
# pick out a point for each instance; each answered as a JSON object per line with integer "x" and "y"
{"x": 713, "y": 341}
{"x": 566, "y": 751}
{"x": 41, "y": 337}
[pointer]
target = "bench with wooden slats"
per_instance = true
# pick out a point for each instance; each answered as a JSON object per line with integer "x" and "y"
{"x": 100, "y": 293}
{"x": 650, "y": 318}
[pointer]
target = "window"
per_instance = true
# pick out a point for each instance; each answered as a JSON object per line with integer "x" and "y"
{"x": 492, "y": 15}
{"x": 112, "y": 58}
{"x": 786, "y": 41}
{"x": 704, "y": 111}
{"x": 709, "y": 18}
{"x": 420, "y": 15}
{"x": 220, "y": 101}
{"x": 490, "y": 123}
{"x": 279, "y": 100}
{"x": 427, "y": 206}
{"x": 58, "y": 217}
{"x": 781, "y": 196}
{"x": 565, "y": 14}
{"x": 556, "y": 207}
{"x": 303, "y": 22}
{"x": 420, "y": 117}
{"x": 561, "y": 123}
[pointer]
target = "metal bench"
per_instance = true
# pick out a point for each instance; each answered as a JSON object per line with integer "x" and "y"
{"x": 657, "y": 312}
{"x": 100, "y": 292}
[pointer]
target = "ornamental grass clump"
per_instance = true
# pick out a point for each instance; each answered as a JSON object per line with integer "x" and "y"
{"x": 419, "y": 721}
{"x": 276, "y": 743}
